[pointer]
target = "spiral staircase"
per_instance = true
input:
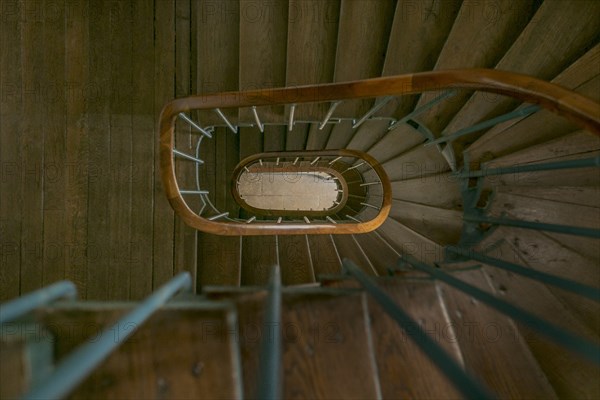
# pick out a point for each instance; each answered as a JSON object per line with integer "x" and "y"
{"x": 466, "y": 265}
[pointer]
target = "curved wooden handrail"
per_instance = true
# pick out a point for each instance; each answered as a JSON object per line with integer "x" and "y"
{"x": 573, "y": 106}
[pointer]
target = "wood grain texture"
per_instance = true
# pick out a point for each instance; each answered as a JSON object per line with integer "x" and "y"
{"x": 324, "y": 256}
{"x": 480, "y": 36}
{"x": 317, "y": 138}
{"x": 404, "y": 370}
{"x": 14, "y": 153}
{"x": 491, "y": 345}
{"x": 407, "y": 241}
{"x": 259, "y": 255}
{"x": 569, "y": 375}
{"x": 54, "y": 149}
{"x": 164, "y": 70}
{"x": 185, "y": 239}
{"x": 263, "y": 51}
{"x": 219, "y": 260}
{"x": 312, "y": 35}
{"x": 295, "y": 261}
{"x": 120, "y": 151}
{"x": 340, "y": 135}
{"x": 251, "y": 142}
{"x": 348, "y": 247}
{"x": 364, "y": 29}
{"x": 441, "y": 190}
{"x": 380, "y": 254}
{"x": 547, "y": 45}
{"x": 143, "y": 155}
{"x": 440, "y": 225}
{"x": 206, "y": 364}
{"x": 13, "y": 368}
{"x": 296, "y": 138}
{"x": 99, "y": 159}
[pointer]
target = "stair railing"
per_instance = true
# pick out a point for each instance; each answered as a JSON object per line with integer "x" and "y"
{"x": 541, "y": 94}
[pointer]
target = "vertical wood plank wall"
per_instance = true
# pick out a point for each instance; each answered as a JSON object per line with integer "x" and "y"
{"x": 82, "y": 83}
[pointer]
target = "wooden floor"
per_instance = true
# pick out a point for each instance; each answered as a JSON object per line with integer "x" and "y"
{"x": 82, "y": 86}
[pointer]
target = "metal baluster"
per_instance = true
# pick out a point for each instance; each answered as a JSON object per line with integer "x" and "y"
{"x": 195, "y": 125}
{"x": 74, "y": 368}
{"x": 19, "y": 307}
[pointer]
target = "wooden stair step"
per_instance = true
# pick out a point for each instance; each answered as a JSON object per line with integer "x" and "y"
{"x": 404, "y": 370}
{"x": 461, "y": 51}
{"x": 259, "y": 255}
{"x": 364, "y": 29}
{"x": 570, "y": 376}
{"x": 407, "y": 53}
{"x": 491, "y": 345}
{"x": 416, "y": 163}
{"x": 326, "y": 343}
{"x": 312, "y": 39}
{"x": 324, "y": 256}
{"x": 541, "y": 126}
{"x": 440, "y": 190}
{"x": 297, "y": 137}
{"x": 369, "y": 133}
{"x": 584, "y": 196}
{"x": 348, "y": 247}
{"x": 439, "y": 224}
{"x": 340, "y": 135}
{"x": 381, "y": 255}
{"x": 219, "y": 260}
{"x": 396, "y": 142}
{"x": 551, "y": 27}
{"x": 295, "y": 260}
{"x": 317, "y": 138}
{"x": 206, "y": 363}
{"x": 407, "y": 241}
{"x": 542, "y": 253}
{"x": 262, "y": 54}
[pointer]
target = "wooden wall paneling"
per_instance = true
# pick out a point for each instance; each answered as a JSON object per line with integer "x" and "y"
{"x": 14, "y": 154}
{"x": 99, "y": 180}
{"x": 251, "y": 141}
{"x": 54, "y": 109}
{"x": 164, "y": 90}
{"x": 297, "y": 137}
{"x": 142, "y": 157}
{"x": 219, "y": 260}
{"x": 77, "y": 150}
{"x": 185, "y": 237}
{"x": 119, "y": 198}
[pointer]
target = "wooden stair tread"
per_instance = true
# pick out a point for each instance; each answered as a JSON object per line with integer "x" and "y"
{"x": 491, "y": 345}
{"x": 348, "y": 247}
{"x": 569, "y": 375}
{"x": 405, "y": 240}
{"x": 416, "y": 163}
{"x": 441, "y": 190}
{"x": 324, "y": 256}
{"x": 461, "y": 50}
{"x": 439, "y": 224}
{"x": 206, "y": 363}
{"x": 585, "y": 196}
{"x": 326, "y": 344}
{"x": 404, "y": 371}
{"x": 551, "y": 27}
{"x": 381, "y": 255}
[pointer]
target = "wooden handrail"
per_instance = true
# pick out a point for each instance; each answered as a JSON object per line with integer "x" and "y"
{"x": 573, "y": 106}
